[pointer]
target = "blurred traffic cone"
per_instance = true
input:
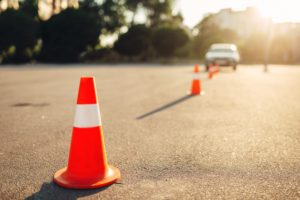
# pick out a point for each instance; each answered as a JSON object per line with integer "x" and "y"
{"x": 196, "y": 85}
{"x": 87, "y": 167}
{"x": 196, "y": 68}
{"x": 216, "y": 69}
{"x": 210, "y": 75}
{"x": 210, "y": 72}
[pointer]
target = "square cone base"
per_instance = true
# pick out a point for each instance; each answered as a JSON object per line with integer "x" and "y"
{"x": 201, "y": 93}
{"x": 62, "y": 178}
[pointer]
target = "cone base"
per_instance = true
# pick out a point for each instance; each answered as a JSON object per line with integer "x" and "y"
{"x": 62, "y": 179}
{"x": 201, "y": 93}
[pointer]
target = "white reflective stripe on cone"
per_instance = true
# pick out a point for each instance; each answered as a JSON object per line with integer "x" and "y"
{"x": 196, "y": 76}
{"x": 87, "y": 115}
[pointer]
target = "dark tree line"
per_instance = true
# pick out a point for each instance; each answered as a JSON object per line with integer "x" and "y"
{"x": 74, "y": 34}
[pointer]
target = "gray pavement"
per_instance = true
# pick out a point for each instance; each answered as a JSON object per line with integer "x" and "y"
{"x": 241, "y": 140}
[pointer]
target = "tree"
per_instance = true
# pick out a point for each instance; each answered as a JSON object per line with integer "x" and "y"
{"x": 158, "y": 11}
{"x": 30, "y": 7}
{"x": 134, "y": 42}
{"x": 133, "y": 6}
{"x": 109, "y": 14}
{"x": 19, "y": 32}
{"x": 168, "y": 39}
{"x": 68, "y": 34}
{"x": 208, "y": 33}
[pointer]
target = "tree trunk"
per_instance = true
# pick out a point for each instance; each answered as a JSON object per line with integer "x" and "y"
{"x": 53, "y": 6}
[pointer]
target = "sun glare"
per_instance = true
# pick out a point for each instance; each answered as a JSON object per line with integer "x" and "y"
{"x": 279, "y": 10}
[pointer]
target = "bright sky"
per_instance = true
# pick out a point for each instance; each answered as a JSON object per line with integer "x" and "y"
{"x": 278, "y": 10}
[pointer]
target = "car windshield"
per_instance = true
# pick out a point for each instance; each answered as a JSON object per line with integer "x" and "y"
{"x": 222, "y": 50}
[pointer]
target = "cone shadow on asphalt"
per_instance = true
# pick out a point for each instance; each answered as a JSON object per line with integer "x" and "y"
{"x": 25, "y": 104}
{"x": 166, "y": 106}
{"x": 53, "y": 191}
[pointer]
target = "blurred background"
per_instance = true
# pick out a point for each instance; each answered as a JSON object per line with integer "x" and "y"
{"x": 69, "y": 31}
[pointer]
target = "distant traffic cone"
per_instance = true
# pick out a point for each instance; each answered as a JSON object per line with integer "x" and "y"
{"x": 196, "y": 68}
{"x": 216, "y": 69}
{"x": 210, "y": 72}
{"x": 87, "y": 166}
{"x": 196, "y": 84}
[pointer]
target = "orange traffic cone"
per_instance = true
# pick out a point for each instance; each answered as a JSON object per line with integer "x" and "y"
{"x": 87, "y": 167}
{"x": 216, "y": 69}
{"x": 196, "y": 68}
{"x": 196, "y": 85}
{"x": 210, "y": 72}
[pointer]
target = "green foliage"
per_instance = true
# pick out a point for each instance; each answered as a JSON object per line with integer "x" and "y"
{"x": 73, "y": 34}
{"x": 167, "y": 40}
{"x": 186, "y": 51}
{"x": 67, "y": 35}
{"x": 18, "y": 31}
{"x": 136, "y": 41}
{"x": 157, "y": 11}
{"x": 30, "y": 7}
{"x": 109, "y": 13}
{"x": 202, "y": 42}
{"x": 133, "y": 4}
{"x": 102, "y": 55}
{"x": 210, "y": 33}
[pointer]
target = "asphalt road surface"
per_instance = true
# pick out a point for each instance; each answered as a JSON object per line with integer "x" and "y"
{"x": 241, "y": 140}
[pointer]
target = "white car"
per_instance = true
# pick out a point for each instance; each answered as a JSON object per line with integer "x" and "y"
{"x": 223, "y": 55}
